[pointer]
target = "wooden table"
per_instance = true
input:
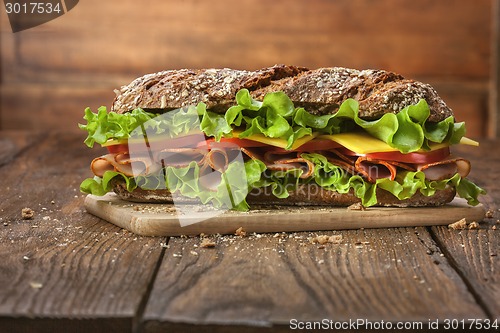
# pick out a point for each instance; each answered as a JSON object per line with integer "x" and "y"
{"x": 68, "y": 271}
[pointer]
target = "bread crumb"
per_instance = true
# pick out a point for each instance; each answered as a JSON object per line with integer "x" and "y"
{"x": 489, "y": 214}
{"x": 323, "y": 239}
{"x": 356, "y": 206}
{"x": 494, "y": 227}
{"x": 459, "y": 225}
{"x": 473, "y": 225}
{"x": 206, "y": 242}
{"x": 240, "y": 232}
{"x": 27, "y": 213}
{"x": 36, "y": 285}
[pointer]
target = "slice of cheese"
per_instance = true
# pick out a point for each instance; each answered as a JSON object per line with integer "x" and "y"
{"x": 469, "y": 142}
{"x": 281, "y": 143}
{"x": 359, "y": 142}
{"x": 363, "y": 143}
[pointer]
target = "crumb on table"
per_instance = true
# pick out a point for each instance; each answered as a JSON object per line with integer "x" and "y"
{"x": 459, "y": 225}
{"x": 473, "y": 225}
{"x": 240, "y": 232}
{"x": 323, "y": 239}
{"x": 27, "y": 213}
{"x": 207, "y": 242}
{"x": 356, "y": 206}
{"x": 463, "y": 224}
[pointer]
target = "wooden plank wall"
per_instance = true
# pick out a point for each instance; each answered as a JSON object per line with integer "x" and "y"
{"x": 50, "y": 73}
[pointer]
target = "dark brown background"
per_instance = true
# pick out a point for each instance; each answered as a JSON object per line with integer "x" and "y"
{"x": 50, "y": 73}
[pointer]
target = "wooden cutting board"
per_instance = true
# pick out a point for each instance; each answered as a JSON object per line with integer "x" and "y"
{"x": 163, "y": 219}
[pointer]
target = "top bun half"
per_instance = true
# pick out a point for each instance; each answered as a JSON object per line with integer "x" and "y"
{"x": 319, "y": 91}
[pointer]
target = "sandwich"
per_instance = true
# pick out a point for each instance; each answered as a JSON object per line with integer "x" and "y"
{"x": 281, "y": 135}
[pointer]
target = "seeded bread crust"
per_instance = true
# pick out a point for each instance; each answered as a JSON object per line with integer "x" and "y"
{"x": 305, "y": 195}
{"x": 319, "y": 91}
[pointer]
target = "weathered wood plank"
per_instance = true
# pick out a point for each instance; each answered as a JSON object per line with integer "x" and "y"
{"x": 390, "y": 274}
{"x": 475, "y": 253}
{"x": 451, "y": 39}
{"x": 494, "y": 100}
{"x": 65, "y": 266}
{"x": 468, "y": 100}
{"x": 12, "y": 143}
{"x": 69, "y": 58}
{"x": 56, "y": 108}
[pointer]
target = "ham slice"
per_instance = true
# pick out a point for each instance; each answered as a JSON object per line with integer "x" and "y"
{"x": 209, "y": 179}
{"x": 374, "y": 169}
{"x": 220, "y": 155}
{"x": 446, "y": 168}
{"x": 254, "y": 153}
{"x": 136, "y": 165}
{"x": 100, "y": 165}
{"x": 275, "y": 156}
{"x": 180, "y": 157}
{"x": 298, "y": 163}
{"x": 122, "y": 162}
{"x": 283, "y": 160}
{"x": 340, "y": 160}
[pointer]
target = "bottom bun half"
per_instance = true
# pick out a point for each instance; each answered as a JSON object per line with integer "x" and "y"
{"x": 304, "y": 195}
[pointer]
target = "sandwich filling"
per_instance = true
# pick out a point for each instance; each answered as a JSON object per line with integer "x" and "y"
{"x": 274, "y": 147}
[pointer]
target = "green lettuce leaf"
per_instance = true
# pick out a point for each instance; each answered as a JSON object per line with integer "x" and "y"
{"x": 100, "y": 186}
{"x": 104, "y": 125}
{"x": 185, "y": 181}
{"x": 276, "y": 117}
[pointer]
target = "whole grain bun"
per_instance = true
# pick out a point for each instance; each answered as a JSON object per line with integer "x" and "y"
{"x": 319, "y": 91}
{"x": 303, "y": 196}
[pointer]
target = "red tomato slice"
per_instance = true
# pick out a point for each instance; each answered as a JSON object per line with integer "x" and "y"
{"x": 235, "y": 141}
{"x": 157, "y": 143}
{"x": 318, "y": 144}
{"x": 120, "y": 148}
{"x": 415, "y": 158}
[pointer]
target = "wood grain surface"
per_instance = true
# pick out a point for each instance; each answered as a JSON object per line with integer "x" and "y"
{"x": 64, "y": 264}
{"x": 65, "y": 270}
{"x": 82, "y": 56}
{"x": 369, "y": 274}
{"x": 475, "y": 253}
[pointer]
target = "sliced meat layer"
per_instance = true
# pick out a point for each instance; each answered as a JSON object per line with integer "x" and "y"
{"x": 122, "y": 162}
{"x": 446, "y": 168}
{"x": 373, "y": 169}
